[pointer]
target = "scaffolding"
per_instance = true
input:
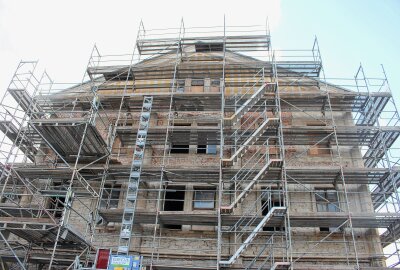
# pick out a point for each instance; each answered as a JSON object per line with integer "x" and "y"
{"x": 204, "y": 148}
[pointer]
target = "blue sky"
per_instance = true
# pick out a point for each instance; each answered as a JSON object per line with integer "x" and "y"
{"x": 348, "y": 32}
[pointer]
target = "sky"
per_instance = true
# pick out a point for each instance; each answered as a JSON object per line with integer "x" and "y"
{"x": 61, "y": 34}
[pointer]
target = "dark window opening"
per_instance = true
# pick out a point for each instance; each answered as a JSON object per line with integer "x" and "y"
{"x": 180, "y": 149}
{"x": 110, "y": 196}
{"x": 172, "y": 227}
{"x": 204, "y": 198}
{"x": 197, "y": 82}
{"x": 266, "y": 206}
{"x": 207, "y": 143}
{"x": 207, "y": 124}
{"x": 181, "y": 139}
{"x": 215, "y": 83}
{"x": 209, "y": 47}
{"x": 174, "y": 201}
{"x": 206, "y": 149}
{"x": 182, "y": 124}
{"x": 201, "y": 149}
{"x": 180, "y": 86}
{"x": 56, "y": 205}
{"x": 174, "y": 198}
{"x": 10, "y": 197}
{"x": 327, "y": 200}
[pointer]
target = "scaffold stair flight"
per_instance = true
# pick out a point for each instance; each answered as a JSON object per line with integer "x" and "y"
{"x": 253, "y": 235}
{"x": 253, "y": 138}
{"x": 235, "y": 118}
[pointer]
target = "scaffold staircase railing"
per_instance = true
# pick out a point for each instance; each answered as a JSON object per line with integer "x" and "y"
{"x": 265, "y": 258}
{"x": 251, "y": 224}
{"x": 258, "y": 80}
{"x": 247, "y": 105}
{"x": 134, "y": 178}
{"x": 266, "y": 250}
{"x": 251, "y": 139}
{"x": 249, "y": 174}
{"x": 256, "y": 88}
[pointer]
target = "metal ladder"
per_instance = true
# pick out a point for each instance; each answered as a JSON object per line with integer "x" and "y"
{"x": 134, "y": 178}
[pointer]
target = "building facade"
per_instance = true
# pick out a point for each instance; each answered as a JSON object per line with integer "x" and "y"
{"x": 200, "y": 151}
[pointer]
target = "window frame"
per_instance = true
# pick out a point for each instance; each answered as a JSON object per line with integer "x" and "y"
{"x": 197, "y": 82}
{"x": 325, "y": 203}
{"x": 204, "y": 189}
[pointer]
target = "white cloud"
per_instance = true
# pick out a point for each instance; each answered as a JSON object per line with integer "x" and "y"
{"x": 62, "y": 33}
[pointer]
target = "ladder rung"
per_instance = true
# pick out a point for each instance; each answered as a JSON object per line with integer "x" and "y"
{"x": 127, "y": 222}
{"x": 125, "y": 234}
{"x": 131, "y": 197}
{"x": 123, "y": 249}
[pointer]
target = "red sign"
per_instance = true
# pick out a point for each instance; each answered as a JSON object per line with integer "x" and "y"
{"x": 102, "y": 258}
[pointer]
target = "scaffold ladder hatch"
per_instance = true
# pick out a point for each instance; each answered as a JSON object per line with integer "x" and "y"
{"x": 134, "y": 178}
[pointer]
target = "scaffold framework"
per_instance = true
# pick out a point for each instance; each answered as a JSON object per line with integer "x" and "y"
{"x": 203, "y": 148}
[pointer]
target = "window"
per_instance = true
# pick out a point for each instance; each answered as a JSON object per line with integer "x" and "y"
{"x": 180, "y": 86}
{"x": 174, "y": 201}
{"x": 215, "y": 86}
{"x": 215, "y": 83}
{"x": 207, "y": 142}
{"x": 276, "y": 201}
{"x": 197, "y": 82}
{"x": 181, "y": 138}
{"x": 197, "y": 86}
{"x": 56, "y": 204}
{"x": 180, "y": 149}
{"x": 204, "y": 198}
{"x": 211, "y": 149}
{"x": 201, "y": 149}
{"x": 327, "y": 201}
{"x": 110, "y": 196}
{"x": 209, "y": 47}
{"x": 206, "y": 149}
{"x": 174, "y": 198}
